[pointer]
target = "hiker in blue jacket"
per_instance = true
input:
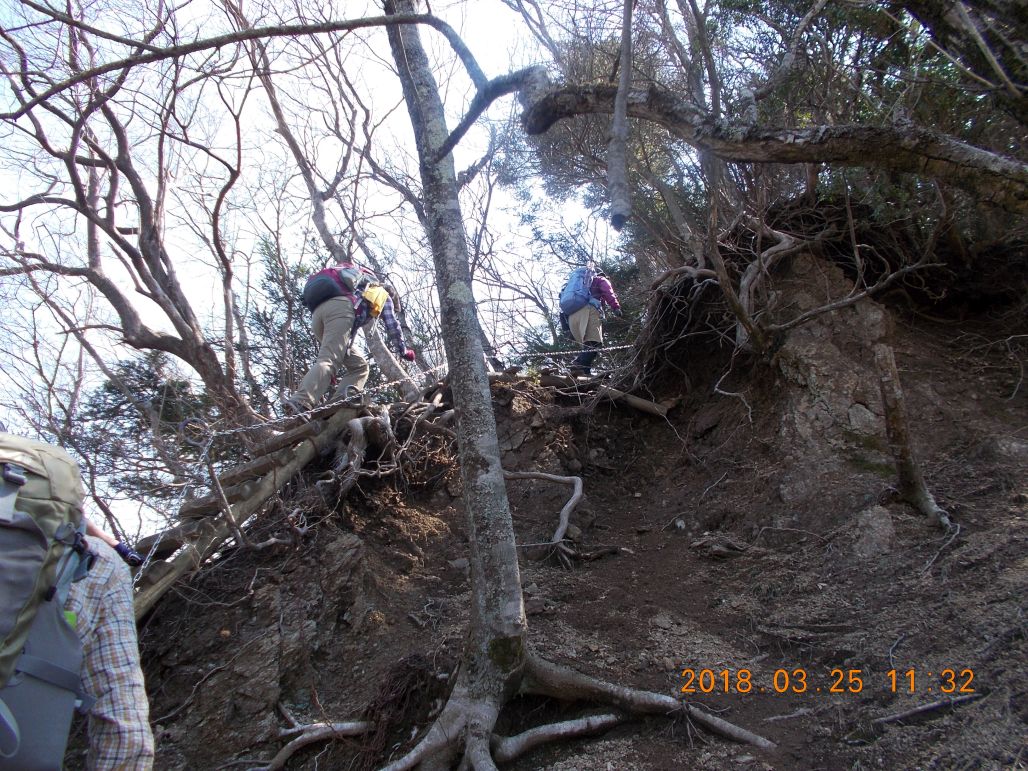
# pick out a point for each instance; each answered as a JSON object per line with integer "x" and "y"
{"x": 586, "y": 323}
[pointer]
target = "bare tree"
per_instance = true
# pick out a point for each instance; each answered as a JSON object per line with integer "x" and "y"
{"x": 497, "y": 659}
{"x": 88, "y": 159}
{"x": 345, "y": 116}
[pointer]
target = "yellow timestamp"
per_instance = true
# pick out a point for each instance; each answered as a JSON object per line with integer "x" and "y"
{"x": 943, "y": 681}
{"x": 800, "y": 680}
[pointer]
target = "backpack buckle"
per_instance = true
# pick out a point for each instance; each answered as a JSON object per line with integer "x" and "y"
{"x": 14, "y": 474}
{"x": 12, "y": 478}
{"x": 87, "y": 557}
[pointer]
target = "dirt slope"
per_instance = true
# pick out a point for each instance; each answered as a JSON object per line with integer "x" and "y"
{"x": 754, "y": 534}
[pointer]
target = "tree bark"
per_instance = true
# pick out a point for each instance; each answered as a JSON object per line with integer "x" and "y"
{"x": 912, "y": 486}
{"x": 617, "y": 149}
{"x": 495, "y": 652}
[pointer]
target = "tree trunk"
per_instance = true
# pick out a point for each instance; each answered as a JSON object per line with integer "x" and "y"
{"x": 617, "y": 161}
{"x": 912, "y": 486}
{"x": 495, "y": 653}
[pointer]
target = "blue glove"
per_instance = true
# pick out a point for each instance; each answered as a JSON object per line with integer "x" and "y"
{"x": 131, "y": 556}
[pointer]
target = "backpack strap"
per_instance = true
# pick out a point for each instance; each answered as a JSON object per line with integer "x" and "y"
{"x": 10, "y": 736}
{"x": 334, "y": 275}
{"x": 49, "y": 672}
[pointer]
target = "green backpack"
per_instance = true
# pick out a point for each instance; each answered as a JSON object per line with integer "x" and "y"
{"x": 42, "y": 552}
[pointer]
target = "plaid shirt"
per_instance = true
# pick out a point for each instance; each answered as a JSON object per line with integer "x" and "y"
{"x": 361, "y": 317}
{"x": 119, "y": 727}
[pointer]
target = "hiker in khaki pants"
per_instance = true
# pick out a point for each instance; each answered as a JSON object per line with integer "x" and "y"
{"x": 586, "y": 324}
{"x": 333, "y": 326}
{"x": 338, "y": 311}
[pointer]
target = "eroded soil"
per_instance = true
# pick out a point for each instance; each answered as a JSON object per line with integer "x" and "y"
{"x": 754, "y": 534}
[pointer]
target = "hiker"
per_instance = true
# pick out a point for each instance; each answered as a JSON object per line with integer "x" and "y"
{"x": 586, "y": 292}
{"x": 119, "y": 720}
{"x": 342, "y": 299}
{"x": 69, "y": 630}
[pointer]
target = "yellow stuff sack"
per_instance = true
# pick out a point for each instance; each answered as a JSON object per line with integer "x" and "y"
{"x": 375, "y": 296}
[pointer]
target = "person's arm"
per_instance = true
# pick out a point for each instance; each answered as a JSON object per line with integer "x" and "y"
{"x": 96, "y": 532}
{"x": 394, "y": 332}
{"x": 126, "y": 552}
{"x": 605, "y": 292}
{"x": 119, "y": 727}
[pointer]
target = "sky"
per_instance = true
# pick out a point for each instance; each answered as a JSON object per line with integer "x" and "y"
{"x": 494, "y": 37}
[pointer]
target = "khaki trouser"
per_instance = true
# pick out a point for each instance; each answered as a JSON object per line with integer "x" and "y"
{"x": 332, "y": 322}
{"x": 586, "y": 326}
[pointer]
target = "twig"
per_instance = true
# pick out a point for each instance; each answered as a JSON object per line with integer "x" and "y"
{"x": 893, "y": 648}
{"x": 226, "y": 507}
{"x": 711, "y": 487}
{"x": 798, "y": 713}
{"x": 739, "y": 396}
{"x": 955, "y": 532}
{"x": 926, "y": 708}
{"x": 203, "y": 679}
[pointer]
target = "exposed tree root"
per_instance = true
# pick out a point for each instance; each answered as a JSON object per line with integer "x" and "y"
{"x": 469, "y": 721}
{"x": 925, "y": 708}
{"x": 309, "y": 734}
{"x": 507, "y": 748}
{"x": 549, "y": 679}
{"x": 464, "y": 717}
{"x": 569, "y": 507}
{"x": 370, "y": 430}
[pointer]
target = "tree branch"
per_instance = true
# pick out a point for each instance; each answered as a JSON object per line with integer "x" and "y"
{"x": 993, "y": 177}
{"x": 487, "y": 94}
{"x": 617, "y": 150}
{"x": 257, "y": 33}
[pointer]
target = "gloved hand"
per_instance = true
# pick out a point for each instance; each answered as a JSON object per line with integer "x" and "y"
{"x": 131, "y": 556}
{"x": 619, "y": 313}
{"x": 409, "y": 354}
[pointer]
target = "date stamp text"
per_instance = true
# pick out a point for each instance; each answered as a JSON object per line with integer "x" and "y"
{"x": 947, "y": 681}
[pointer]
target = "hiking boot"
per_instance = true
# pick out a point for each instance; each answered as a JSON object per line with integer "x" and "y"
{"x": 582, "y": 365}
{"x": 353, "y": 396}
{"x": 292, "y": 406}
